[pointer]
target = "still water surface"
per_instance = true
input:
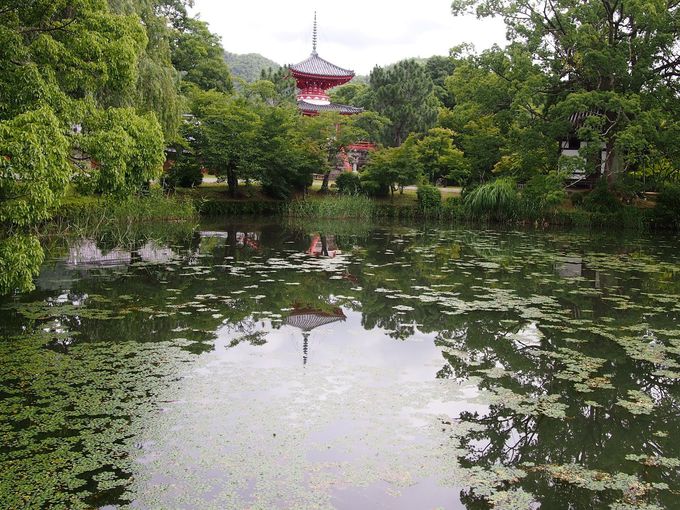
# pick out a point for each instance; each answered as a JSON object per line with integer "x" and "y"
{"x": 265, "y": 365}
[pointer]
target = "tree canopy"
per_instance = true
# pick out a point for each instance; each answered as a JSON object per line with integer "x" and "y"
{"x": 615, "y": 62}
{"x": 403, "y": 93}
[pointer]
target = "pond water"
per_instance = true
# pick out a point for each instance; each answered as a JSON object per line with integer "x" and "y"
{"x": 267, "y": 365}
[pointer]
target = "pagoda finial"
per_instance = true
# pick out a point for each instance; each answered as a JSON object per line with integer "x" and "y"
{"x": 314, "y": 36}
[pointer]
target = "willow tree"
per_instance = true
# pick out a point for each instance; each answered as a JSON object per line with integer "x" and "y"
{"x": 63, "y": 64}
{"x": 616, "y": 62}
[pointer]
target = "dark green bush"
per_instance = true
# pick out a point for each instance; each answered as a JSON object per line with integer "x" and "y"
{"x": 374, "y": 188}
{"x": 577, "y": 198}
{"x": 601, "y": 199}
{"x": 348, "y": 183}
{"x": 429, "y": 198}
{"x": 452, "y": 208}
{"x": 667, "y": 209}
{"x": 185, "y": 172}
{"x": 542, "y": 194}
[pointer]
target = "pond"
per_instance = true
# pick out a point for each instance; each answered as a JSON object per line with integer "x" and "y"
{"x": 347, "y": 366}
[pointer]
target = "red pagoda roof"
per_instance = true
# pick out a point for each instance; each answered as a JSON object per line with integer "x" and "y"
{"x": 316, "y": 66}
{"x": 314, "y": 76}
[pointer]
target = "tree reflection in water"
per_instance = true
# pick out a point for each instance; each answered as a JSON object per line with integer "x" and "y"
{"x": 572, "y": 340}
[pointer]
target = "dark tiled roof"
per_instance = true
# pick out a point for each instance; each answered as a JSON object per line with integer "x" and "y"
{"x": 316, "y": 65}
{"x": 332, "y": 107}
{"x": 577, "y": 119}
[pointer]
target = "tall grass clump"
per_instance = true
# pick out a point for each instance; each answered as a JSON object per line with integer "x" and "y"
{"x": 340, "y": 206}
{"x": 496, "y": 200}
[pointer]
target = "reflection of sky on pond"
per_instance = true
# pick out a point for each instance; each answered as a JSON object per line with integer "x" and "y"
{"x": 358, "y": 427}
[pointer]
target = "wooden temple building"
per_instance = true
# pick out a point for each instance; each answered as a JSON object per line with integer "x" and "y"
{"x": 314, "y": 76}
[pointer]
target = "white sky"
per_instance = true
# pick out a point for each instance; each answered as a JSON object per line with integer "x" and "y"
{"x": 355, "y": 34}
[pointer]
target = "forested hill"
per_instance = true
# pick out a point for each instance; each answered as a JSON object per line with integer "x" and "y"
{"x": 248, "y": 66}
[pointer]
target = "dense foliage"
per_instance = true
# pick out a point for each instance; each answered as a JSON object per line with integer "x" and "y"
{"x": 69, "y": 102}
{"x": 405, "y": 95}
{"x": 429, "y": 198}
{"x": 93, "y": 92}
{"x": 348, "y": 183}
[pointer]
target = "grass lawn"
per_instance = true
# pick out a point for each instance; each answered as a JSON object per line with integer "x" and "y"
{"x": 210, "y": 189}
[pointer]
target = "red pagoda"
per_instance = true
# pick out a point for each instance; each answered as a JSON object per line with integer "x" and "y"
{"x": 314, "y": 76}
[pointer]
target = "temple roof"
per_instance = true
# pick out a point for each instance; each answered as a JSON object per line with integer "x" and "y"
{"x": 317, "y": 66}
{"x": 332, "y": 107}
{"x": 578, "y": 119}
{"x": 307, "y": 319}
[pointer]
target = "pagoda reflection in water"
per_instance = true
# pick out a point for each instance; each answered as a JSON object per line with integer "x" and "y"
{"x": 307, "y": 319}
{"x": 323, "y": 246}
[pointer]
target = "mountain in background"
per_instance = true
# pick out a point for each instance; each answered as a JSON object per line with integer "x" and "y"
{"x": 248, "y": 66}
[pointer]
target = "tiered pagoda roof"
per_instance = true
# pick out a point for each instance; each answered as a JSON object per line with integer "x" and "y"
{"x": 314, "y": 76}
{"x": 316, "y": 66}
{"x": 314, "y": 109}
{"x": 308, "y": 319}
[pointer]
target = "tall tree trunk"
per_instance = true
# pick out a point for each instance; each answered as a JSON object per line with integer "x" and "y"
{"x": 232, "y": 182}
{"x": 324, "y": 183}
{"x": 612, "y": 163}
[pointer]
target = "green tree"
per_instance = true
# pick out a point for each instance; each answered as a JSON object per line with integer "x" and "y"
{"x": 331, "y": 132}
{"x": 34, "y": 170}
{"x": 63, "y": 65}
{"x": 439, "y": 68}
{"x": 440, "y": 159}
{"x": 157, "y": 88}
{"x": 616, "y": 62}
{"x": 198, "y": 55}
{"x": 499, "y": 117}
{"x": 227, "y": 136}
{"x": 124, "y": 150}
{"x": 287, "y": 159}
{"x": 354, "y": 94}
{"x": 283, "y": 83}
{"x": 404, "y": 94}
{"x": 392, "y": 168}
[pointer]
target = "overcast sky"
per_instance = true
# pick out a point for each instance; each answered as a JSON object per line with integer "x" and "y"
{"x": 355, "y": 34}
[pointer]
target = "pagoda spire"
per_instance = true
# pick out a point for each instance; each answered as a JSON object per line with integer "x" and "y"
{"x": 314, "y": 36}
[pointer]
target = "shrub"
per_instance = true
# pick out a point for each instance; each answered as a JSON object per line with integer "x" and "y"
{"x": 184, "y": 173}
{"x": 601, "y": 199}
{"x": 429, "y": 198}
{"x": 577, "y": 198}
{"x": 542, "y": 194}
{"x": 348, "y": 183}
{"x": 452, "y": 208}
{"x": 667, "y": 209}
{"x": 497, "y": 199}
